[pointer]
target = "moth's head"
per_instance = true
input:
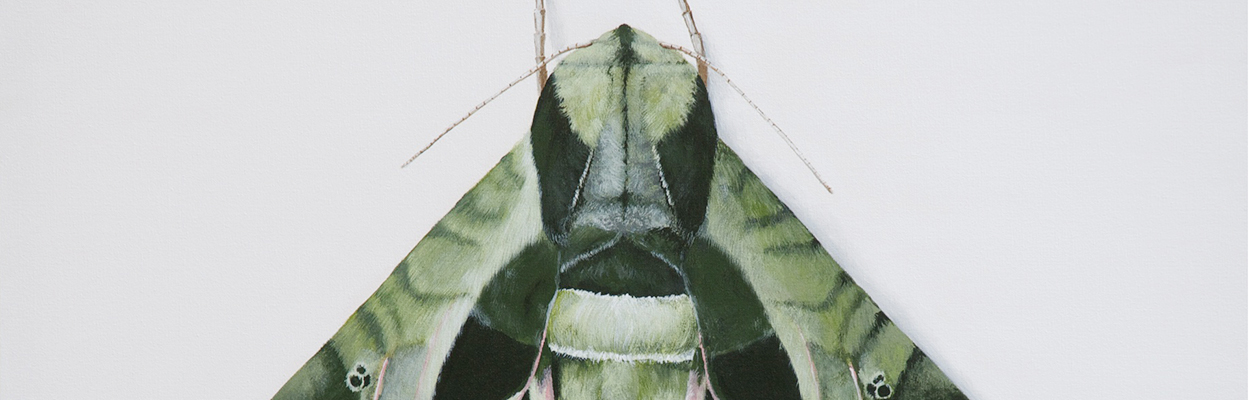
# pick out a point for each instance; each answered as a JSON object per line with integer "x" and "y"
{"x": 625, "y": 45}
{"x": 625, "y": 72}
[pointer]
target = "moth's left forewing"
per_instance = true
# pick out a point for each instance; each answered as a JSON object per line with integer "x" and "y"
{"x": 396, "y": 343}
{"x": 840, "y": 344}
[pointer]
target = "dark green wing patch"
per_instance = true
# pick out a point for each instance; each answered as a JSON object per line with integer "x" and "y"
{"x": 396, "y": 342}
{"x": 840, "y": 344}
{"x": 484, "y": 364}
{"x": 760, "y": 370}
{"x": 686, "y": 158}
{"x": 561, "y": 159}
{"x": 516, "y": 299}
{"x": 730, "y": 315}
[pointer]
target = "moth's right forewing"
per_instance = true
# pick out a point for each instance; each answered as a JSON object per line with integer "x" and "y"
{"x": 840, "y": 345}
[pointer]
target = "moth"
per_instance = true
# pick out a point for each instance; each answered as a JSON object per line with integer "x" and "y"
{"x": 620, "y": 251}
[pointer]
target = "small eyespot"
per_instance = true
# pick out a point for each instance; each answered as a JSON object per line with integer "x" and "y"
{"x": 884, "y": 392}
{"x": 878, "y": 389}
{"x": 358, "y": 378}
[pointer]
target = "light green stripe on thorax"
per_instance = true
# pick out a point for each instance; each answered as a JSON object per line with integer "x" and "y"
{"x": 622, "y": 328}
{"x": 596, "y": 86}
{"x": 622, "y": 95}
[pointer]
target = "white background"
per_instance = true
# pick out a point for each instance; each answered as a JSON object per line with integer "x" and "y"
{"x": 1048, "y": 197}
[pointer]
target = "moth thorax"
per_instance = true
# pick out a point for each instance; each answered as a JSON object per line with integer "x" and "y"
{"x": 623, "y": 188}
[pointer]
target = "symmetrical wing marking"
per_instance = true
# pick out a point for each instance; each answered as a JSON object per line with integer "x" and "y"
{"x": 395, "y": 344}
{"x": 681, "y": 273}
{"x": 840, "y": 344}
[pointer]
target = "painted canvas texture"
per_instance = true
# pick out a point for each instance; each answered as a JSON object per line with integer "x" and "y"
{"x": 620, "y": 251}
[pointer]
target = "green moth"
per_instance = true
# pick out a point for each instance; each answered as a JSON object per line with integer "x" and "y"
{"x": 620, "y": 251}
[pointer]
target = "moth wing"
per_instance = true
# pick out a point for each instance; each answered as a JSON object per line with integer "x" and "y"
{"x": 395, "y": 344}
{"x": 840, "y": 344}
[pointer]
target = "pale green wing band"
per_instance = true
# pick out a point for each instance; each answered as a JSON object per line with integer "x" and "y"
{"x": 403, "y": 332}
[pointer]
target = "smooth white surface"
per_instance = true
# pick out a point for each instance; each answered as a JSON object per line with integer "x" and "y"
{"x": 1048, "y": 197}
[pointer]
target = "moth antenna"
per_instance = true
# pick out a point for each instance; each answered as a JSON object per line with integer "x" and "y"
{"x": 696, "y": 39}
{"x": 542, "y": 64}
{"x": 540, "y": 41}
{"x": 703, "y": 61}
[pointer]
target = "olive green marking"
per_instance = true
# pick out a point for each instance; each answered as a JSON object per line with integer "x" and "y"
{"x": 515, "y": 301}
{"x": 418, "y": 310}
{"x": 441, "y": 231}
{"x": 764, "y": 222}
{"x": 560, "y": 159}
{"x": 687, "y": 156}
{"x": 824, "y": 320}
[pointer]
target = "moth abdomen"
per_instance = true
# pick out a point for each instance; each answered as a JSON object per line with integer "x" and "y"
{"x": 622, "y": 346}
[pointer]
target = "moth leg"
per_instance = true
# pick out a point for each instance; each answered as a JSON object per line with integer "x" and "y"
{"x": 546, "y": 387}
{"x": 538, "y": 389}
{"x": 695, "y": 390}
{"x": 706, "y": 384}
{"x": 531, "y": 382}
{"x": 377, "y": 391}
{"x": 859, "y": 391}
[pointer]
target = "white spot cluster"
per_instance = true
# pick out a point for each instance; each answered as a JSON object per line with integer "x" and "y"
{"x": 358, "y": 378}
{"x": 878, "y": 388}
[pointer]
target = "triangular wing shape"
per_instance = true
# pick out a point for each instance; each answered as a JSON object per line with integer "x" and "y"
{"x": 839, "y": 343}
{"x": 620, "y": 251}
{"x": 395, "y": 344}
